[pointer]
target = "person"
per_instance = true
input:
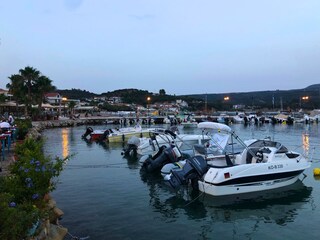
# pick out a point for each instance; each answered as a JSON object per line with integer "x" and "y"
{"x": 11, "y": 119}
{"x": 4, "y": 126}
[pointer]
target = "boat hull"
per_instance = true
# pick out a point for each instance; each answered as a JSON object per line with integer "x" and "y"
{"x": 215, "y": 190}
{"x": 247, "y": 183}
{"x": 278, "y": 171}
{"x": 120, "y": 138}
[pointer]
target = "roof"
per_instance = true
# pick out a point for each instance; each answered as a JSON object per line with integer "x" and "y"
{"x": 54, "y": 94}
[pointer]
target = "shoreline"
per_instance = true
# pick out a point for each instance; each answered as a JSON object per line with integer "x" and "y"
{"x": 49, "y": 229}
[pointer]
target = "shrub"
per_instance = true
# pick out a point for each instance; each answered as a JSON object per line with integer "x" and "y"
{"x": 22, "y": 193}
{"x": 23, "y": 126}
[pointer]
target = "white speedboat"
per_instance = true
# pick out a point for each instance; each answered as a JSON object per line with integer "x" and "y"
{"x": 116, "y": 134}
{"x": 174, "y": 154}
{"x": 159, "y": 137}
{"x": 261, "y": 165}
{"x": 189, "y": 124}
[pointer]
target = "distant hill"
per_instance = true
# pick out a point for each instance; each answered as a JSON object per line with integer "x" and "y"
{"x": 314, "y": 87}
{"x": 259, "y": 99}
{"x": 266, "y": 99}
{"x": 76, "y": 94}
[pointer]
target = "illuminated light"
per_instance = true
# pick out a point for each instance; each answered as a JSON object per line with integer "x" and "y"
{"x": 305, "y": 97}
{"x": 65, "y": 143}
{"x": 305, "y": 142}
{"x": 226, "y": 98}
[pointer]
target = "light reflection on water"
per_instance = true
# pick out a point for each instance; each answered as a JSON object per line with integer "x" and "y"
{"x": 65, "y": 142}
{"x": 305, "y": 142}
{"x": 105, "y": 196}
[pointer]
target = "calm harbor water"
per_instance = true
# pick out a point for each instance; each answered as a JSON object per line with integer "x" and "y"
{"x": 104, "y": 196}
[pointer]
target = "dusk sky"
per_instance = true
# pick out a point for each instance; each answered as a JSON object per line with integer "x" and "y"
{"x": 182, "y": 46}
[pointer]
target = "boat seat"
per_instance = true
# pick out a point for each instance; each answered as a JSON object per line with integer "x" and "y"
{"x": 200, "y": 149}
{"x": 251, "y": 158}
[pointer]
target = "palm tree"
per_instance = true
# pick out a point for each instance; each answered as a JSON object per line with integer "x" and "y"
{"x": 71, "y": 106}
{"x": 42, "y": 86}
{"x": 29, "y": 86}
{"x": 29, "y": 75}
{"x": 18, "y": 90}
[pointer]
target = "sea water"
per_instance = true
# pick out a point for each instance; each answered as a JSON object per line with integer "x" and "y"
{"x": 105, "y": 196}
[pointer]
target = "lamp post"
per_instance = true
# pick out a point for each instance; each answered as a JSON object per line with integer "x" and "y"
{"x": 64, "y": 99}
{"x": 148, "y": 102}
{"x": 304, "y": 98}
{"x": 226, "y": 99}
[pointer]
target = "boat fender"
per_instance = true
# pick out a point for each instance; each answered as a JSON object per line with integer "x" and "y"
{"x": 316, "y": 171}
{"x": 176, "y": 152}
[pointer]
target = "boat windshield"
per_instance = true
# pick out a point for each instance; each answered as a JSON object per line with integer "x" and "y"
{"x": 267, "y": 143}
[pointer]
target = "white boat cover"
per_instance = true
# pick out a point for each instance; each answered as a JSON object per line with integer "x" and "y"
{"x": 215, "y": 126}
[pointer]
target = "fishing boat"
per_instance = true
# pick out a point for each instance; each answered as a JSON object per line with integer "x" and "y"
{"x": 263, "y": 164}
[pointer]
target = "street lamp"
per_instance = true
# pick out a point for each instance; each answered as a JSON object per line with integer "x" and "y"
{"x": 304, "y": 98}
{"x": 64, "y": 99}
{"x": 148, "y": 102}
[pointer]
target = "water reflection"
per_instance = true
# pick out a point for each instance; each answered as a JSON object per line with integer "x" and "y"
{"x": 305, "y": 142}
{"x": 90, "y": 144}
{"x": 278, "y": 206}
{"x": 65, "y": 142}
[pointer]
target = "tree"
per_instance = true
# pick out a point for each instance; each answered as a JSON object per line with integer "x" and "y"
{"x": 162, "y": 92}
{"x": 2, "y": 98}
{"x": 18, "y": 90}
{"x": 42, "y": 86}
{"x": 29, "y": 86}
{"x": 71, "y": 106}
{"x": 29, "y": 75}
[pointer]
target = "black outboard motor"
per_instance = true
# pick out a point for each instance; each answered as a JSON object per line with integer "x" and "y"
{"x": 164, "y": 156}
{"x": 88, "y": 132}
{"x": 105, "y": 135}
{"x": 193, "y": 170}
{"x": 132, "y": 146}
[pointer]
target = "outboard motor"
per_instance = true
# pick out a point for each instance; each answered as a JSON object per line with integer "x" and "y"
{"x": 193, "y": 170}
{"x": 105, "y": 135}
{"x": 164, "y": 156}
{"x": 132, "y": 146}
{"x": 88, "y": 132}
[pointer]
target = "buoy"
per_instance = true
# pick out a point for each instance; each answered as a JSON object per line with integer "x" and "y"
{"x": 316, "y": 171}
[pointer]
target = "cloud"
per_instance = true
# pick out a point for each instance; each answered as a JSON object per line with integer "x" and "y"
{"x": 72, "y": 4}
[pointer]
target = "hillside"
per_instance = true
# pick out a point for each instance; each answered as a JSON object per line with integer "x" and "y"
{"x": 267, "y": 99}
{"x": 259, "y": 99}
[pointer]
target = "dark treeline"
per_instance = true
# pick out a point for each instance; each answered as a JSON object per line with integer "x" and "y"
{"x": 285, "y": 99}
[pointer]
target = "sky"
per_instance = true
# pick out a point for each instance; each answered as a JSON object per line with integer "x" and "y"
{"x": 181, "y": 46}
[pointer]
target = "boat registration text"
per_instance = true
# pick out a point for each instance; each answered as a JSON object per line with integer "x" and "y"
{"x": 275, "y": 166}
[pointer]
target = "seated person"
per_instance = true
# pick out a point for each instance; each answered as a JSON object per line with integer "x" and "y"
{"x": 4, "y": 126}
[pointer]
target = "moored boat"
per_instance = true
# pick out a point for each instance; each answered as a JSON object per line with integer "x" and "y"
{"x": 116, "y": 135}
{"x": 261, "y": 165}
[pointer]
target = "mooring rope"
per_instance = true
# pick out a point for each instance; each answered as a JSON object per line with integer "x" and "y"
{"x": 114, "y": 165}
{"x": 73, "y": 236}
